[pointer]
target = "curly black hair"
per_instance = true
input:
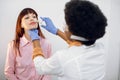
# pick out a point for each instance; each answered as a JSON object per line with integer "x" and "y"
{"x": 85, "y": 19}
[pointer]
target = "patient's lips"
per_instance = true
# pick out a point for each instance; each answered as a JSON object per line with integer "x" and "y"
{"x": 33, "y": 23}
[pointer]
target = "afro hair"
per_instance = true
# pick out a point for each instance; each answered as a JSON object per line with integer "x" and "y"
{"x": 85, "y": 19}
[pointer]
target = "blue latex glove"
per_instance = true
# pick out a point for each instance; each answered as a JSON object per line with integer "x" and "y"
{"x": 49, "y": 25}
{"x": 34, "y": 34}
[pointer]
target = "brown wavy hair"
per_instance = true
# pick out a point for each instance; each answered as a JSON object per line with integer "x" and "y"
{"x": 20, "y": 31}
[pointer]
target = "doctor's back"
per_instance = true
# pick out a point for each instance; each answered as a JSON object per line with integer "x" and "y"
{"x": 82, "y": 62}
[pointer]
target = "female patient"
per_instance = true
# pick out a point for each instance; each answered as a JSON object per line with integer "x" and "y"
{"x": 19, "y": 64}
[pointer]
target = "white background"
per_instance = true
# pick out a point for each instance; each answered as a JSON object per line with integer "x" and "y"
{"x": 9, "y": 10}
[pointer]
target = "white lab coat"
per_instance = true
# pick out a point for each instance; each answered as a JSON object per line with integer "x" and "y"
{"x": 75, "y": 63}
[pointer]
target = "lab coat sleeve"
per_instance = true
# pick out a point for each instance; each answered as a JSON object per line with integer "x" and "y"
{"x": 48, "y": 66}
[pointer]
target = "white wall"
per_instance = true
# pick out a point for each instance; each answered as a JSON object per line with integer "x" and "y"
{"x": 9, "y": 10}
{"x": 113, "y": 61}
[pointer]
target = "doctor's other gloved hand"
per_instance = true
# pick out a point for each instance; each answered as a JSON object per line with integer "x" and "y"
{"x": 49, "y": 25}
{"x": 34, "y": 34}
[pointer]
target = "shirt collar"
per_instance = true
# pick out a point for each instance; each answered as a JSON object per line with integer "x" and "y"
{"x": 23, "y": 41}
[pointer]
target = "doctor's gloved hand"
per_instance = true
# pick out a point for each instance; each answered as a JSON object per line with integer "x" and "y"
{"x": 34, "y": 34}
{"x": 49, "y": 25}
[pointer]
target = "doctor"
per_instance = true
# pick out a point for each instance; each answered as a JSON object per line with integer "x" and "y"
{"x": 84, "y": 59}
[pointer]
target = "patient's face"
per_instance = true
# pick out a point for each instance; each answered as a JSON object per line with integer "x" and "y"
{"x": 29, "y": 21}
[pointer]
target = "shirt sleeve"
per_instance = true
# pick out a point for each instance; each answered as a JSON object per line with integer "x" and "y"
{"x": 9, "y": 70}
{"x": 48, "y": 66}
{"x": 49, "y": 50}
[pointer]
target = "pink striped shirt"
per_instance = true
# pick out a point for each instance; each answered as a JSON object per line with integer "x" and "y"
{"x": 22, "y": 68}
